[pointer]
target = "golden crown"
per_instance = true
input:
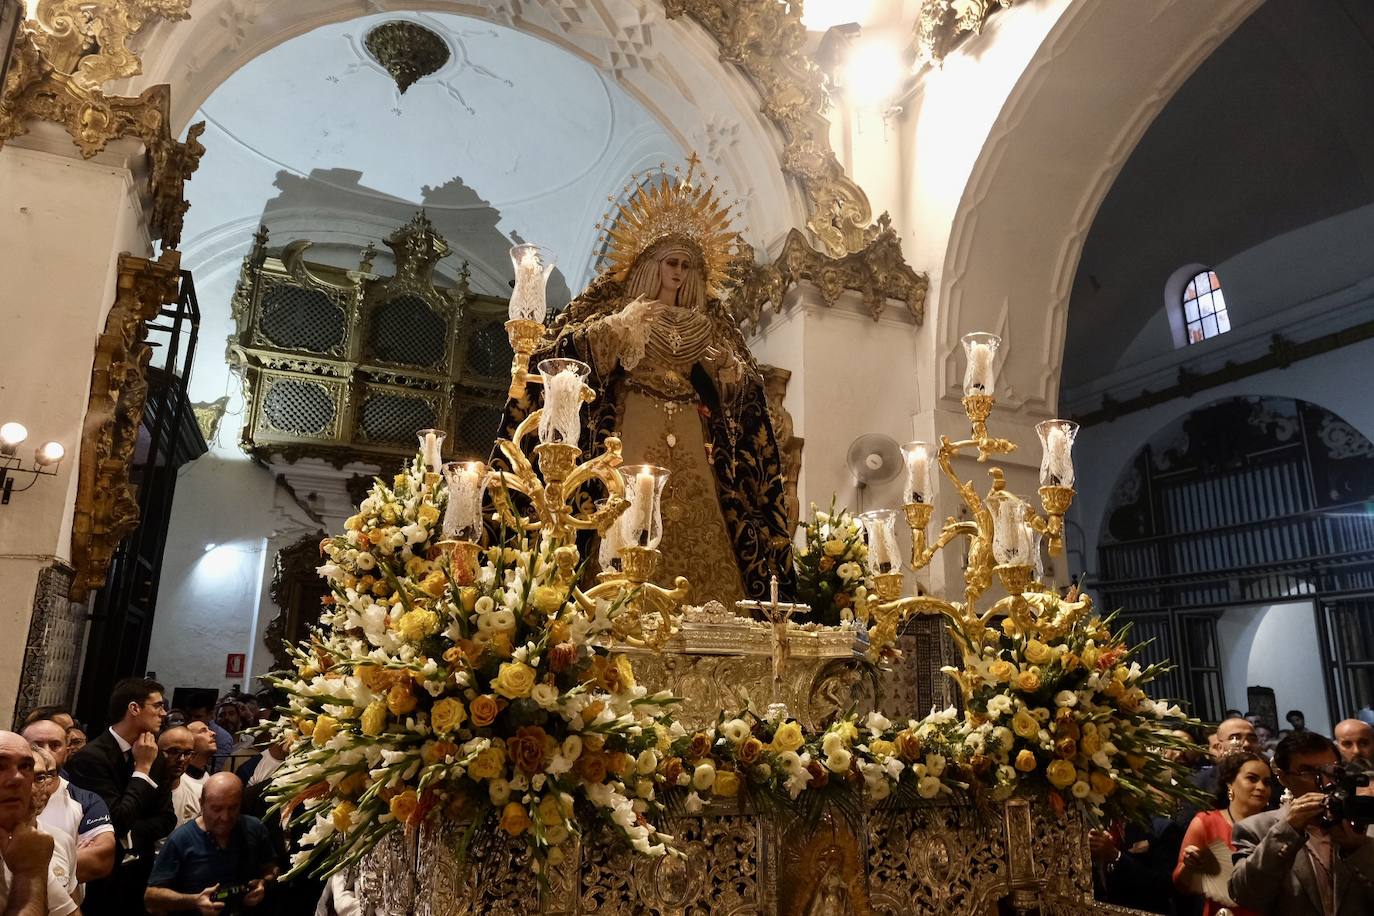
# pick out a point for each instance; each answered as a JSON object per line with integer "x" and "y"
{"x": 667, "y": 206}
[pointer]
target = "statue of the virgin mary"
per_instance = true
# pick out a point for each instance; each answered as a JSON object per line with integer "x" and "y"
{"x": 677, "y": 383}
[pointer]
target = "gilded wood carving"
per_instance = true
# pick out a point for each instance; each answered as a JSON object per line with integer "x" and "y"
{"x": 106, "y": 501}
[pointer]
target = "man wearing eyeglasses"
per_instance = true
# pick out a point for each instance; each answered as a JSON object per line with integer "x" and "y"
{"x": 1295, "y": 861}
{"x": 122, "y": 765}
{"x": 178, "y": 745}
{"x": 71, "y": 810}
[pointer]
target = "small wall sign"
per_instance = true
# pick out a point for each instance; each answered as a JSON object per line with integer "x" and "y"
{"x": 233, "y": 665}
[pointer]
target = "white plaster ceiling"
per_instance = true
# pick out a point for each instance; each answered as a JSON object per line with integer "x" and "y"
{"x": 513, "y": 138}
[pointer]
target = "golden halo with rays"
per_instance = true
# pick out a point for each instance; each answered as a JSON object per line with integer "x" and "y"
{"x": 674, "y": 205}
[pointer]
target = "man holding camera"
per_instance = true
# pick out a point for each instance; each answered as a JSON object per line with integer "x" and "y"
{"x": 220, "y": 862}
{"x": 1311, "y": 857}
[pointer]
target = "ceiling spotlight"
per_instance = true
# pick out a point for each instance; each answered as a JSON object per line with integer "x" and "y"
{"x": 11, "y": 434}
{"x": 873, "y": 72}
{"x": 48, "y": 454}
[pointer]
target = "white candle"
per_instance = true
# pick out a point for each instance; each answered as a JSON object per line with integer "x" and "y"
{"x": 463, "y": 515}
{"x": 919, "y": 488}
{"x": 430, "y": 449}
{"x": 979, "y": 377}
{"x": 562, "y": 417}
{"x": 1011, "y": 535}
{"x": 644, "y": 506}
{"x": 1058, "y": 458}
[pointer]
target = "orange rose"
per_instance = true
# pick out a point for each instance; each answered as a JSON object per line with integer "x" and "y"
{"x": 700, "y": 746}
{"x": 671, "y": 770}
{"x": 527, "y": 749}
{"x": 819, "y": 777}
{"x": 483, "y": 710}
{"x": 591, "y": 766}
{"x": 1066, "y": 748}
{"x": 619, "y": 763}
{"x": 400, "y": 700}
{"x": 908, "y": 745}
{"x": 436, "y": 751}
{"x": 515, "y": 820}
{"x": 749, "y": 750}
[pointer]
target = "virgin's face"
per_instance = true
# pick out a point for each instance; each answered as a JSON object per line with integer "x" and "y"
{"x": 672, "y": 272}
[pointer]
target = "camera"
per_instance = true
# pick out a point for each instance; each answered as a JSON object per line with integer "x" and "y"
{"x": 232, "y": 895}
{"x": 1343, "y": 802}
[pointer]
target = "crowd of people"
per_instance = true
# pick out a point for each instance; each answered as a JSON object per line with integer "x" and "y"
{"x": 1285, "y": 833}
{"x": 163, "y": 812}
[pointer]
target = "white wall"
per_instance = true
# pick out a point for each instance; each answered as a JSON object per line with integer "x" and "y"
{"x": 1275, "y": 646}
{"x": 213, "y": 603}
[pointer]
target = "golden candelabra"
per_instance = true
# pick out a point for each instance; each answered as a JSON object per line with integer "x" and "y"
{"x": 1029, "y": 604}
{"x": 552, "y": 483}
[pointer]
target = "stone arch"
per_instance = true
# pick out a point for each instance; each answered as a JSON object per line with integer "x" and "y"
{"x": 671, "y": 67}
{"x": 1051, "y": 155}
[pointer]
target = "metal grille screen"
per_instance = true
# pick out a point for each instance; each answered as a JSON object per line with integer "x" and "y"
{"x": 294, "y": 318}
{"x": 406, "y": 330}
{"x": 489, "y": 352}
{"x": 298, "y": 408}
{"x": 477, "y": 428}
{"x": 394, "y": 418}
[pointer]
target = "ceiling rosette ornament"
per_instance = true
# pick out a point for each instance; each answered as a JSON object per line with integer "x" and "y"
{"x": 407, "y": 50}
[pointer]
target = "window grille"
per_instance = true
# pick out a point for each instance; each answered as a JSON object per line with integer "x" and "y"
{"x": 394, "y": 418}
{"x": 299, "y": 318}
{"x": 406, "y": 330}
{"x": 1204, "y": 308}
{"x": 298, "y": 408}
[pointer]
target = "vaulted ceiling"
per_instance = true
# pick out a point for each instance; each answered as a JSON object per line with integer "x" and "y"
{"x": 1273, "y": 132}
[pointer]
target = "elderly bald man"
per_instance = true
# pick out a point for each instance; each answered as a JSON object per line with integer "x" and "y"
{"x": 221, "y": 857}
{"x": 1355, "y": 739}
{"x": 24, "y": 849}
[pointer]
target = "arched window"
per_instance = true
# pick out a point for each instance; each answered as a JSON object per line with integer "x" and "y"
{"x": 1204, "y": 308}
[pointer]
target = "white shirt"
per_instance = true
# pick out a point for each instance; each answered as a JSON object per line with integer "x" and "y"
{"x": 186, "y": 799}
{"x": 64, "y": 813}
{"x": 60, "y": 902}
{"x": 125, "y": 747}
{"x": 265, "y": 768}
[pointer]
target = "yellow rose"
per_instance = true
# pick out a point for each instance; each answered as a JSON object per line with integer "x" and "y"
{"x": 354, "y": 523}
{"x": 625, "y": 673}
{"x": 1090, "y": 655}
{"x": 342, "y": 816}
{"x": 427, "y": 515}
{"x": 415, "y": 625}
{"x": 435, "y": 583}
{"x": 403, "y": 806}
{"x": 514, "y": 680}
{"x": 727, "y": 783}
{"x": 400, "y": 700}
{"x": 1037, "y": 653}
{"x": 325, "y": 728}
{"x": 1114, "y": 689}
{"x": 1025, "y": 761}
{"x": 1061, "y": 774}
{"x": 1028, "y": 681}
{"x": 447, "y": 715}
{"x": 834, "y": 547}
{"x": 484, "y": 710}
{"x": 374, "y": 719}
{"x": 788, "y": 737}
{"x": 400, "y": 480}
{"x": 416, "y": 567}
{"x": 548, "y": 599}
{"x": 1003, "y": 670}
{"x": 1025, "y": 725}
{"x": 514, "y": 819}
{"x": 882, "y": 748}
{"x": 1090, "y": 744}
{"x": 489, "y": 764}
{"x": 551, "y": 810}
{"x": 1102, "y": 783}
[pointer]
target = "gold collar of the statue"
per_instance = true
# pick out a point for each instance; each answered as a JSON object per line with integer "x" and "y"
{"x": 678, "y": 205}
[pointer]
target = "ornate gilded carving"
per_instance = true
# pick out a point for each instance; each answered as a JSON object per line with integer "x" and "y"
{"x": 942, "y": 24}
{"x": 208, "y": 416}
{"x": 407, "y": 50}
{"x": 765, "y": 39}
{"x": 64, "y": 56}
{"x": 878, "y": 272}
{"x": 296, "y": 591}
{"x": 106, "y": 502}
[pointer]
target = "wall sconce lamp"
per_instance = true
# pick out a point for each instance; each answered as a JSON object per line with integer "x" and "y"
{"x": 46, "y": 459}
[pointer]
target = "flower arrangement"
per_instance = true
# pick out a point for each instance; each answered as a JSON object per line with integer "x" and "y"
{"x": 1066, "y": 717}
{"x": 484, "y": 695}
{"x": 853, "y": 761}
{"x": 831, "y": 565}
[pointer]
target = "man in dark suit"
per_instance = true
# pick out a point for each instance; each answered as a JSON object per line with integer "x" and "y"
{"x": 1290, "y": 862}
{"x": 122, "y": 765}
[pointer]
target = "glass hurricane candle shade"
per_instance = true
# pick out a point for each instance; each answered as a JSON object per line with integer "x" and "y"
{"x": 880, "y": 525}
{"x": 642, "y": 523}
{"x": 1013, "y": 539}
{"x": 533, "y": 265}
{"x": 608, "y": 552}
{"x": 463, "y": 514}
{"x": 1056, "y": 457}
{"x": 919, "y": 458}
{"x": 980, "y": 373}
{"x": 432, "y": 448}
{"x": 562, "y": 417}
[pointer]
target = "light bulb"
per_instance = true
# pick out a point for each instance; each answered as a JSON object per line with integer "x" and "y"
{"x": 874, "y": 70}
{"x": 49, "y": 453}
{"x": 12, "y": 433}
